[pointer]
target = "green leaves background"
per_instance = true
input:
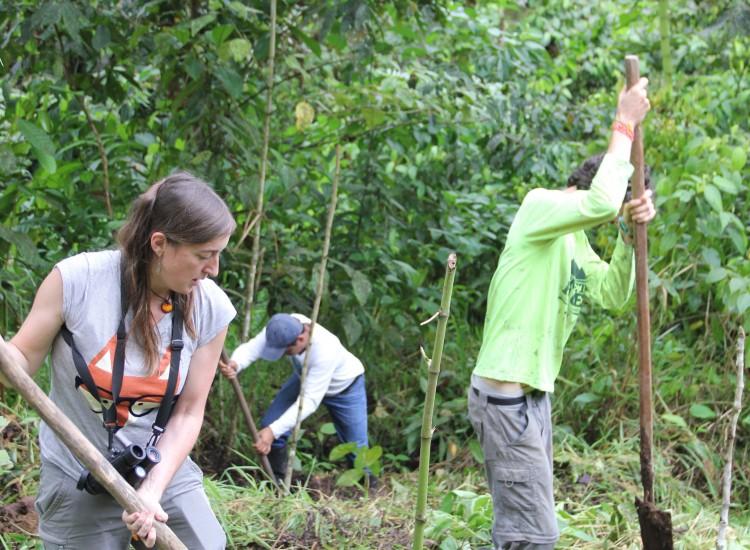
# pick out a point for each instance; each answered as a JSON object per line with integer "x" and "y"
{"x": 449, "y": 113}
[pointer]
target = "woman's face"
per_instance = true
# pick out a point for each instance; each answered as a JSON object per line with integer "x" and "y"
{"x": 184, "y": 265}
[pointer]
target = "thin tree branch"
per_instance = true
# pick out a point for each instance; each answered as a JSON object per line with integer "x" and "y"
{"x": 99, "y": 144}
{"x": 262, "y": 182}
{"x": 726, "y": 479}
{"x": 102, "y": 156}
{"x": 314, "y": 318}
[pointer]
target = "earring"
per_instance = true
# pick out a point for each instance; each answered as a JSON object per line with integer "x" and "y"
{"x": 158, "y": 266}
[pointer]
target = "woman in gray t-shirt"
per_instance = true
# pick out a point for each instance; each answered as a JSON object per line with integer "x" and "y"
{"x": 169, "y": 245}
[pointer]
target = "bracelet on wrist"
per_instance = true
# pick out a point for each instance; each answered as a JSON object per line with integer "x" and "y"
{"x": 627, "y": 236}
{"x": 624, "y": 227}
{"x": 624, "y": 128}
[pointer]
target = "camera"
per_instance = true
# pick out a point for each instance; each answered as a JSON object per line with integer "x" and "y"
{"x": 132, "y": 462}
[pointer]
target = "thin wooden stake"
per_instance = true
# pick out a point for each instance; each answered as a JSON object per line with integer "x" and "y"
{"x": 314, "y": 318}
{"x": 433, "y": 371}
{"x": 726, "y": 478}
{"x": 82, "y": 448}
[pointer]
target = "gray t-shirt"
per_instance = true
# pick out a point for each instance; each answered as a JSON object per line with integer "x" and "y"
{"x": 91, "y": 309}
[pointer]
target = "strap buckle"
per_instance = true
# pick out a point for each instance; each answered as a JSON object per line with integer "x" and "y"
{"x": 158, "y": 430}
{"x": 177, "y": 344}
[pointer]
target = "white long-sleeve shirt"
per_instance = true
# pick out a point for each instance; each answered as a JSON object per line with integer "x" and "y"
{"x": 331, "y": 369}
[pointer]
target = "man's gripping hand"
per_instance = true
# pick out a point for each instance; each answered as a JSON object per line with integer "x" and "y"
{"x": 228, "y": 368}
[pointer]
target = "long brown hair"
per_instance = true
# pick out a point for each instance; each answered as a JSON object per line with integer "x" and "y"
{"x": 187, "y": 211}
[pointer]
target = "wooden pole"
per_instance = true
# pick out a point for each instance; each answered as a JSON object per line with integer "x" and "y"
{"x": 644, "y": 322}
{"x": 433, "y": 371}
{"x": 656, "y": 526}
{"x": 249, "y": 419}
{"x": 81, "y": 447}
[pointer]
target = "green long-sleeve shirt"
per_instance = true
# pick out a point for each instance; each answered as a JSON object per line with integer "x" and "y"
{"x": 544, "y": 272}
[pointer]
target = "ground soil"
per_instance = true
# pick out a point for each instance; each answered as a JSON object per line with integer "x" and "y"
{"x": 19, "y": 517}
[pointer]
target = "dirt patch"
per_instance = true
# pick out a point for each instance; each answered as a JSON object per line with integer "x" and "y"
{"x": 19, "y": 517}
{"x": 319, "y": 486}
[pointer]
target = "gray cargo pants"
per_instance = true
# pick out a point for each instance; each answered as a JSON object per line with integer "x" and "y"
{"x": 73, "y": 519}
{"x": 517, "y": 444}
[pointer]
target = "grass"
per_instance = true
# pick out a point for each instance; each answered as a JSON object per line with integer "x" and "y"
{"x": 595, "y": 488}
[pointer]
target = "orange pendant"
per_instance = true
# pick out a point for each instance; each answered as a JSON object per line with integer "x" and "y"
{"x": 166, "y": 307}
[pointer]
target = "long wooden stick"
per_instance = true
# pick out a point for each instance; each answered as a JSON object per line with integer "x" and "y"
{"x": 433, "y": 371}
{"x": 81, "y": 447}
{"x": 726, "y": 478}
{"x": 314, "y": 318}
{"x": 655, "y": 524}
{"x": 632, "y": 74}
{"x": 265, "y": 464}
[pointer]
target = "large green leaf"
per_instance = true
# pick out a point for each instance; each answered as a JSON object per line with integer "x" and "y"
{"x": 713, "y": 197}
{"x": 698, "y": 410}
{"x": 230, "y": 79}
{"x": 197, "y": 24}
{"x": 239, "y": 49}
{"x": 349, "y": 478}
{"x": 41, "y": 144}
{"x": 341, "y": 450}
{"x": 739, "y": 158}
{"x": 361, "y": 286}
{"x": 352, "y": 328}
{"x": 26, "y": 249}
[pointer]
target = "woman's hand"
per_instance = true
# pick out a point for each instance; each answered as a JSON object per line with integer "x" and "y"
{"x": 141, "y": 524}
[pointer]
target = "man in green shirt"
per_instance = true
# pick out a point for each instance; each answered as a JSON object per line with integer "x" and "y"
{"x": 544, "y": 273}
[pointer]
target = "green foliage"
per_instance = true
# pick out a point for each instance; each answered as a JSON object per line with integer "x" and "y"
{"x": 448, "y": 112}
{"x": 366, "y": 459}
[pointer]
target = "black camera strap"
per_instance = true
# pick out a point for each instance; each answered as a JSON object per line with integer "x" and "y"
{"x": 118, "y": 370}
{"x": 167, "y": 402}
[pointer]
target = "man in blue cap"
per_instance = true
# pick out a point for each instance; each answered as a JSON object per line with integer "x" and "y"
{"x": 335, "y": 378}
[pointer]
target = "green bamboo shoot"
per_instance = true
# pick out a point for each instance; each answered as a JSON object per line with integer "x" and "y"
{"x": 433, "y": 371}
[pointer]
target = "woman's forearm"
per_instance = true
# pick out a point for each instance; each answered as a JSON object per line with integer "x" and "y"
{"x": 174, "y": 445}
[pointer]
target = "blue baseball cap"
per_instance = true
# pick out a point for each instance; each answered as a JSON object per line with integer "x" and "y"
{"x": 281, "y": 332}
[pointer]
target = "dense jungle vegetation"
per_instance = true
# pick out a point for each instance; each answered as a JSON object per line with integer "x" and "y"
{"x": 447, "y": 114}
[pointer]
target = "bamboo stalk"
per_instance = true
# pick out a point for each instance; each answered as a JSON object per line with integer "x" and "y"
{"x": 726, "y": 478}
{"x": 433, "y": 371}
{"x": 262, "y": 180}
{"x": 314, "y": 318}
{"x": 664, "y": 39}
{"x": 81, "y": 447}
